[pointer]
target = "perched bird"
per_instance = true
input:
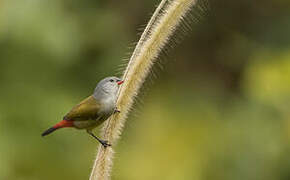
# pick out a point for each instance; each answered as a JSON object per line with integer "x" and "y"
{"x": 93, "y": 110}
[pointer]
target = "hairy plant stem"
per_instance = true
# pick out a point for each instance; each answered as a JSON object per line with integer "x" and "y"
{"x": 161, "y": 26}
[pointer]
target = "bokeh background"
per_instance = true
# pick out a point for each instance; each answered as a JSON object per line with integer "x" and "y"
{"x": 219, "y": 108}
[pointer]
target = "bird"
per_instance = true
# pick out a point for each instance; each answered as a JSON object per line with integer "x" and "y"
{"x": 93, "y": 110}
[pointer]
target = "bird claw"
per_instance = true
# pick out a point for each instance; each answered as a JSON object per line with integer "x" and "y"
{"x": 105, "y": 143}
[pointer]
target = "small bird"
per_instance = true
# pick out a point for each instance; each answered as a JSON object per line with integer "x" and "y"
{"x": 93, "y": 110}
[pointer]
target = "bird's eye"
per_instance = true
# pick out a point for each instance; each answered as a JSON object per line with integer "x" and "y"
{"x": 111, "y": 80}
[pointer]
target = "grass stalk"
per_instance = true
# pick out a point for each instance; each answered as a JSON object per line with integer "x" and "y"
{"x": 161, "y": 26}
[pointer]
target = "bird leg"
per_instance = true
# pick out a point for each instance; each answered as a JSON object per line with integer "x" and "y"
{"x": 116, "y": 110}
{"x": 103, "y": 142}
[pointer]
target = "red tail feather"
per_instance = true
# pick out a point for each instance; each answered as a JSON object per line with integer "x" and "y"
{"x": 61, "y": 124}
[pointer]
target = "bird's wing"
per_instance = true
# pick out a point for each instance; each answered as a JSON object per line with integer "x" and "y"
{"x": 85, "y": 110}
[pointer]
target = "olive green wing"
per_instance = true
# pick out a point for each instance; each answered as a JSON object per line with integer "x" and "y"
{"x": 85, "y": 110}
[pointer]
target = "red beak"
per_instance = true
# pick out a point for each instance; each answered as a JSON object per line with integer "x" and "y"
{"x": 120, "y": 82}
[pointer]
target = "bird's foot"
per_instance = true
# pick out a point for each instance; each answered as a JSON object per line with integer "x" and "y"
{"x": 105, "y": 143}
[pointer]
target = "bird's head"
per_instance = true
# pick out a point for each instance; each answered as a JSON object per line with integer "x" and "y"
{"x": 108, "y": 86}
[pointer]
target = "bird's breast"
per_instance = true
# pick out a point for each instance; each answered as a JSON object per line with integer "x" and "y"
{"x": 108, "y": 105}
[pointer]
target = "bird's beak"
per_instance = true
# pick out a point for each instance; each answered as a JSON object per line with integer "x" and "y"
{"x": 120, "y": 82}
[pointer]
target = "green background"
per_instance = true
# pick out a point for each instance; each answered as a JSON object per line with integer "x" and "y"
{"x": 217, "y": 109}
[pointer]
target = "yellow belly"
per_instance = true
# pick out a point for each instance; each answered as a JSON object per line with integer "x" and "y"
{"x": 89, "y": 124}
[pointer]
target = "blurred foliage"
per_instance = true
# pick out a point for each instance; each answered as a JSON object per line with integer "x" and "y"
{"x": 218, "y": 109}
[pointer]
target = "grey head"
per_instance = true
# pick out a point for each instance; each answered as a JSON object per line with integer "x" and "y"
{"x": 107, "y": 87}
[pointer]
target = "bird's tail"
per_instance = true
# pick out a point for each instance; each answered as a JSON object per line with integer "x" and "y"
{"x": 61, "y": 124}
